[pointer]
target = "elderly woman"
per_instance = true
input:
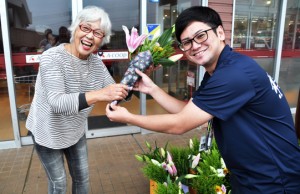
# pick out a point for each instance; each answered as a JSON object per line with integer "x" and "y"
{"x": 70, "y": 80}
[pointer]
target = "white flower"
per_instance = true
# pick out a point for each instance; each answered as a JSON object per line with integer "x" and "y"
{"x": 223, "y": 165}
{"x": 155, "y": 162}
{"x": 175, "y": 58}
{"x": 191, "y": 141}
{"x": 196, "y": 161}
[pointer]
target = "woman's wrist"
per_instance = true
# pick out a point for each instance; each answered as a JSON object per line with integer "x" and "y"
{"x": 92, "y": 97}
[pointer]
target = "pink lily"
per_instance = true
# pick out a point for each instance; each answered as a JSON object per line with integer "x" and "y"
{"x": 223, "y": 188}
{"x": 167, "y": 167}
{"x": 170, "y": 166}
{"x": 174, "y": 169}
{"x": 196, "y": 161}
{"x": 169, "y": 157}
{"x": 133, "y": 41}
{"x": 170, "y": 169}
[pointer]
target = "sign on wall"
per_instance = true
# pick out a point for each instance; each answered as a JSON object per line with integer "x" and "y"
{"x": 114, "y": 55}
{"x": 153, "y": 30}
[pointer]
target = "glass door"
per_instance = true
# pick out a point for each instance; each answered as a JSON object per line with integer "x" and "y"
{"x": 115, "y": 57}
{"x": 33, "y": 31}
{"x": 6, "y": 129}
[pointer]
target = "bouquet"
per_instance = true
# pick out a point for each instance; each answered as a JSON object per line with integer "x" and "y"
{"x": 144, "y": 52}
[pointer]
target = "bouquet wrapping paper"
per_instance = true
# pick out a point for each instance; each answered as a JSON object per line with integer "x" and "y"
{"x": 141, "y": 61}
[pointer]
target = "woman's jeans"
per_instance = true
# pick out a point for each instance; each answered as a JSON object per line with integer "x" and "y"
{"x": 53, "y": 162}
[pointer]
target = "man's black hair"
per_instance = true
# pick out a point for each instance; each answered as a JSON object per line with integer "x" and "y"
{"x": 196, "y": 13}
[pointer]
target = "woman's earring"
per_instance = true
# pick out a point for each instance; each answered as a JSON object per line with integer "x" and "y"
{"x": 100, "y": 53}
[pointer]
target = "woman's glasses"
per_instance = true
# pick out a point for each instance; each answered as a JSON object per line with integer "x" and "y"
{"x": 87, "y": 29}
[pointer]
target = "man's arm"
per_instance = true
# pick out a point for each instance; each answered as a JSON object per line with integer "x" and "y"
{"x": 147, "y": 86}
{"x": 187, "y": 119}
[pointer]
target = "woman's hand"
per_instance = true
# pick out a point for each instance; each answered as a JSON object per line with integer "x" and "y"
{"x": 109, "y": 93}
{"x": 114, "y": 92}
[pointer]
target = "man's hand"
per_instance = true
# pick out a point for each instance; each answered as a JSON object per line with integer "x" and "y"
{"x": 145, "y": 84}
{"x": 152, "y": 68}
{"x": 117, "y": 113}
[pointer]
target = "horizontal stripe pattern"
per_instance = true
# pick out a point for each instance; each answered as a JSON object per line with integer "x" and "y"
{"x": 54, "y": 119}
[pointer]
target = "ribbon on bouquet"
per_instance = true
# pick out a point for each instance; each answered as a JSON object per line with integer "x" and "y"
{"x": 141, "y": 61}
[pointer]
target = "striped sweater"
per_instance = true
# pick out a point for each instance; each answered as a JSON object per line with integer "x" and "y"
{"x": 54, "y": 117}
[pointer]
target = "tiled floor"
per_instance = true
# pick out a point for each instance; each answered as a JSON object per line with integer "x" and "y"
{"x": 113, "y": 167}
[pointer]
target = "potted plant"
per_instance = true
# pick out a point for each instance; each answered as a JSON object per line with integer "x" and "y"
{"x": 185, "y": 169}
{"x": 213, "y": 176}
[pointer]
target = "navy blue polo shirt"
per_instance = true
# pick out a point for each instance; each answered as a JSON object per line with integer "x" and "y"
{"x": 253, "y": 126}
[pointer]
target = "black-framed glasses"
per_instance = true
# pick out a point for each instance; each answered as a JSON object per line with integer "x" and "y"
{"x": 87, "y": 29}
{"x": 198, "y": 38}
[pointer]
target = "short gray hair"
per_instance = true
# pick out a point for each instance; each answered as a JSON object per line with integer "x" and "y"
{"x": 91, "y": 14}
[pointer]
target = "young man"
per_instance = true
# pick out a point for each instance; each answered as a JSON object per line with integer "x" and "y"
{"x": 252, "y": 122}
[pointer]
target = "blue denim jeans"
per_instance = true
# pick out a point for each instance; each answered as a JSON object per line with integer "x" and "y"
{"x": 53, "y": 162}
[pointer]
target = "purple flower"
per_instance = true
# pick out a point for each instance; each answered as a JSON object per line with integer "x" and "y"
{"x": 133, "y": 41}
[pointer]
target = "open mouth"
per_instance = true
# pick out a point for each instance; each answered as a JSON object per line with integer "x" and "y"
{"x": 88, "y": 44}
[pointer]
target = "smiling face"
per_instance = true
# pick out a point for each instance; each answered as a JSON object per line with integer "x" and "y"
{"x": 207, "y": 52}
{"x": 86, "y": 43}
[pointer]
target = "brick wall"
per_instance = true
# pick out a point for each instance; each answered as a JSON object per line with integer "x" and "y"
{"x": 225, "y": 9}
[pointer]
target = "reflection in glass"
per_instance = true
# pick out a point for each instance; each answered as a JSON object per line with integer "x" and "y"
{"x": 36, "y": 30}
{"x": 289, "y": 79}
{"x": 120, "y": 13}
{"x": 255, "y": 29}
{"x": 6, "y": 130}
{"x": 172, "y": 80}
{"x": 240, "y": 40}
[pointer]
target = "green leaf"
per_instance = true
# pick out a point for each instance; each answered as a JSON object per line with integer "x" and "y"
{"x": 139, "y": 158}
{"x": 165, "y": 37}
{"x": 148, "y": 145}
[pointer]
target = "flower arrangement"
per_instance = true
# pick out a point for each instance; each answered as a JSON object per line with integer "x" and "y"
{"x": 160, "y": 47}
{"x": 213, "y": 176}
{"x": 185, "y": 170}
{"x": 146, "y": 52}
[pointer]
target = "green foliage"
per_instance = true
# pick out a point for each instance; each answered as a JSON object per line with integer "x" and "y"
{"x": 210, "y": 158}
{"x": 196, "y": 146}
{"x": 153, "y": 153}
{"x": 207, "y": 179}
{"x": 160, "y": 47}
{"x": 154, "y": 172}
{"x": 166, "y": 38}
{"x": 206, "y": 184}
{"x": 150, "y": 170}
{"x": 180, "y": 157}
{"x": 172, "y": 188}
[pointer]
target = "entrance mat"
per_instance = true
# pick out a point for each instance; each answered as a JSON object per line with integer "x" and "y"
{"x": 98, "y": 122}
